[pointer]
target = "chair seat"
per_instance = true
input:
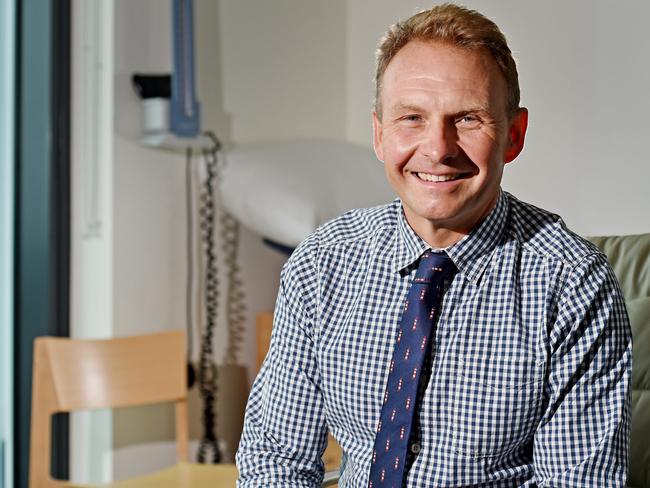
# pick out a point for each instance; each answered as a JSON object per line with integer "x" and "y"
{"x": 182, "y": 475}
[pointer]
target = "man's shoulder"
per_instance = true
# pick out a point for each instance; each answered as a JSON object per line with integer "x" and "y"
{"x": 355, "y": 227}
{"x": 358, "y": 225}
{"x": 545, "y": 233}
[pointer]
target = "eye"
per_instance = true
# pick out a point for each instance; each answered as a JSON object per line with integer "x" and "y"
{"x": 468, "y": 120}
{"x": 411, "y": 118}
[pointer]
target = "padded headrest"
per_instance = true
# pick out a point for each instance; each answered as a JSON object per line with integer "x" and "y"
{"x": 630, "y": 259}
{"x": 284, "y": 190}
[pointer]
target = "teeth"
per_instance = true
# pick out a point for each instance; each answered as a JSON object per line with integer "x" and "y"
{"x": 429, "y": 177}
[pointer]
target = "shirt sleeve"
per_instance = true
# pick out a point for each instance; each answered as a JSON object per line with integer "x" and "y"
{"x": 285, "y": 432}
{"x": 583, "y": 437}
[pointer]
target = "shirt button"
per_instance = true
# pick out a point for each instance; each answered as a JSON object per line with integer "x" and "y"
{"x": 415, "y": 448}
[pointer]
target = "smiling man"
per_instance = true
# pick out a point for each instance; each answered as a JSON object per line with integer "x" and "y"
{"x": 457, "y": 336}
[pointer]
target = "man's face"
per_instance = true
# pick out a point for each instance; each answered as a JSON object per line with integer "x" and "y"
{"x": 444, "y": 135}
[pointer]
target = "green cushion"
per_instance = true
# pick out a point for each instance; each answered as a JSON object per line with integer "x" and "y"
{"x": 630, "y": 259}
{"x": 639, "y": 312}
{"x": 639, "y": 476}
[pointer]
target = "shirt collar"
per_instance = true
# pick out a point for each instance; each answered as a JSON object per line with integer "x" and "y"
{"x": 408, "y": 246}
{"x": 471, "y": 254}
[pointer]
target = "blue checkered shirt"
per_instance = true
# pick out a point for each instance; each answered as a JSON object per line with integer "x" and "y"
{"x": 530, "y": 368}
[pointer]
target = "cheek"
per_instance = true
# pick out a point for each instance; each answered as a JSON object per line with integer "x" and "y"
{"x": 399, "y": 146}
{"x": 480, "y": 148}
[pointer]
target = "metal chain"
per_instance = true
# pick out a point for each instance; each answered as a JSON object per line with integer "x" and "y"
{"x": 207, "y": 367}
{"x": 235, "y": 303}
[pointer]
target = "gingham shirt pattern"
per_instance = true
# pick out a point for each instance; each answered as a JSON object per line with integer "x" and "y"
{"x": 530, "y": 367}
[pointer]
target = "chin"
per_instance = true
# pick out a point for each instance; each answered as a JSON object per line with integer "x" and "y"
{"x": 436, "y": 215}
{"x": 448, "y": 216}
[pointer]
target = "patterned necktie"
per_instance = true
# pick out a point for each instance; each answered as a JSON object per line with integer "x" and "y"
{"x": 411, "y": 346}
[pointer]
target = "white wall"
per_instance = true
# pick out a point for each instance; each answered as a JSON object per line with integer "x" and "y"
{"x": 92, "y": 247}
{"x": 283, "y": 68}
{"x": 148, "y": 184}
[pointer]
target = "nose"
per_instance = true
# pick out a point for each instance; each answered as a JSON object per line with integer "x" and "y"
{"x": 439, "y": 142}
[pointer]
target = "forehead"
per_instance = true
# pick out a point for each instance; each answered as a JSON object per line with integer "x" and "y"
{"x": 432, "y": 70}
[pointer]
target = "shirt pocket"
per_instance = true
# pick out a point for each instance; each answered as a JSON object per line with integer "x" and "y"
{"x": 494, "y": 404}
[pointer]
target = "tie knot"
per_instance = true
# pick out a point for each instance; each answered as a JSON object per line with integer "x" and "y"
{"x": 434, "y": 267}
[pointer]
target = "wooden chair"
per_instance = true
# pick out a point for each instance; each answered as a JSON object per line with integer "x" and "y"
{"x": 71, "y": 374}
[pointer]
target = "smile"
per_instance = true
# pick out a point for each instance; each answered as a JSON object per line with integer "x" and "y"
{"x": 441, "y": 178}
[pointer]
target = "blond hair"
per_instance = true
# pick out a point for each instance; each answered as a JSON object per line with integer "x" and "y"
{"x": 455, "y": 25}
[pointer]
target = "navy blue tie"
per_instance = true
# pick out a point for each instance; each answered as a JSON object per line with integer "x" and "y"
{"x": 411, "y": 346}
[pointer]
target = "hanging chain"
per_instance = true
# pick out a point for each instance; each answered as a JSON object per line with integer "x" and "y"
{"x": 207, "y": 367}
{"x": 235, "y": 304}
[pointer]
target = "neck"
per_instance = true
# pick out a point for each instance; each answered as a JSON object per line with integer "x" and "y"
{"x": 443, "y": 234}
{"x": 437, "y": 238}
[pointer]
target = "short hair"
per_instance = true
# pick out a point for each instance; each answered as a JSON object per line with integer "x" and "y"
{"x": 458, "y": 26}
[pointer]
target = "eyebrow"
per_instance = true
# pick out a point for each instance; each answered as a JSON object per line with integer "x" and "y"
{"x": 407, "y": 107}
{"x": 476, "y": 109}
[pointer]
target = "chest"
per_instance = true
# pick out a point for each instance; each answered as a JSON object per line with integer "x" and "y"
{"x": 489, "y": 334}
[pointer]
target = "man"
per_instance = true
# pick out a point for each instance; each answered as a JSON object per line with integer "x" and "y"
{"x": 522, "y": 377}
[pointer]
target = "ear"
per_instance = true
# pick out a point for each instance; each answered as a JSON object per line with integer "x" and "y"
{"x": 377, "y": 136}
{"x": 516, "y": 135}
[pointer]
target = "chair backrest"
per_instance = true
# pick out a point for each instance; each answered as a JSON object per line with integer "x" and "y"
{"x": 630, "y": 259}
{"x": 73, "y": 374}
